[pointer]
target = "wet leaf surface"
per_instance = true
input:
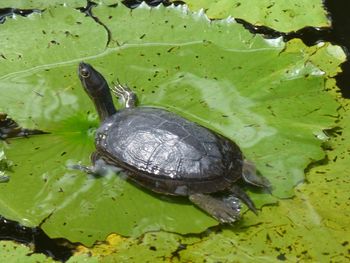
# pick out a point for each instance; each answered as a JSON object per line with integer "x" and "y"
{"x": 266, "y": 95}
{"x": 284, "y": 16}
{"x": 40, "y": 4}
{"x": 312, "y": 227}
{"x": 12, "y": 252}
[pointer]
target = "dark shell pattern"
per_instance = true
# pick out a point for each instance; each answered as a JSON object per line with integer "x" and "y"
{"x": 167, "y": 153}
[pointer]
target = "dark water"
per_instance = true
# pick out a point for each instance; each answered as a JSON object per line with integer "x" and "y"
{"x": 340, "y": 15}
{"x": 11, "y": 230}
{"x": 338, "y": 34}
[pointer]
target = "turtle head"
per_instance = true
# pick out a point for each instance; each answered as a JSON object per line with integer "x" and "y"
{"x": 92, "y": 80}
{"x": 97, "y": 88}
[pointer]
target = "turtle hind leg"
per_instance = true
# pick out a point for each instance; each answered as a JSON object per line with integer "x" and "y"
{"x": 217, "y": 208}
{"x": 126, "y": 94}
{"x": 250, "y": 176}
{"x": 239, "y": 193}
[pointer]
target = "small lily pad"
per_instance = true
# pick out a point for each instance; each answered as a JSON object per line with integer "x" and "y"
{"x": 13, "y": 252}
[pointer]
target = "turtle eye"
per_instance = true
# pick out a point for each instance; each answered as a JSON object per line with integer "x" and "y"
{"x": 84, "y": 72}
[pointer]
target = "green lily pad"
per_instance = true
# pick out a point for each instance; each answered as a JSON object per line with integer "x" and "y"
{"x": 280, "y": 15}
{"x": 328, "y": 184}
{"x": 312, "y": 227}
{"x": 283, "y": 16}
{"x": 152, "y": 247}
{"x": 13, "y": 252}
{"x": 40, "y": 4}
{"x": 266, "y": 95}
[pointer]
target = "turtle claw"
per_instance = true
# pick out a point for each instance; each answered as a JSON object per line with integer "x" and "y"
{"x": 4, "y": 178}
{"x": 221, "y": 210}
{"x": 99, "y": 169}
{"x": 118, "y": 89}
{"x": 226, "y": 215}
{"x": 83, "y": 168}
{"x": 229, "y": 212}
{"x": 125, "y": 93}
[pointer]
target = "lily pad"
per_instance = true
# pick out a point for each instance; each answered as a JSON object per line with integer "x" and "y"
{"x": 311, "y": 227}
{"x": 12, "y": 252}
{"x": 151, "y": 247}
{"x": 329, "y": 200}
{"x": 40, "y": 4}
{"x": 266, "y": 95}
{"x": 283, "y": 16}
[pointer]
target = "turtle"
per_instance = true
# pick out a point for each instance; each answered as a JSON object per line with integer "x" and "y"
{"x": 168, "y": 154}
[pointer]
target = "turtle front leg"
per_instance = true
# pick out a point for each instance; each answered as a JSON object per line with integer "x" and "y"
{"x": 99, "y": 168}
{"x": 126, "y": 94}
{"x": 83, "y": 168}
{"x": 4, "y": 178}
{"x": 218, "y": 209}
{"x": 93, "y": 169}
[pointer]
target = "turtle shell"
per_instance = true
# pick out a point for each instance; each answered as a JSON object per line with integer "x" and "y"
{"x": 167, "y": 153}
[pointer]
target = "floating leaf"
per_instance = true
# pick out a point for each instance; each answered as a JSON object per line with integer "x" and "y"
{"x": 327, "y": 192}
{"x": 311, "y": 227}
{"x": 284, "y": 16}
{"x": 12, "y": 252}
{"x": 40, "y": 4}
{"x": 266, "y": 95}
{"x": 151, "y": 247}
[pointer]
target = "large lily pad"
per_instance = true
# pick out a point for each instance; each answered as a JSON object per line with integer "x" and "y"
{"x": 312, "y": 227}
{"x": 266, "y": 95}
